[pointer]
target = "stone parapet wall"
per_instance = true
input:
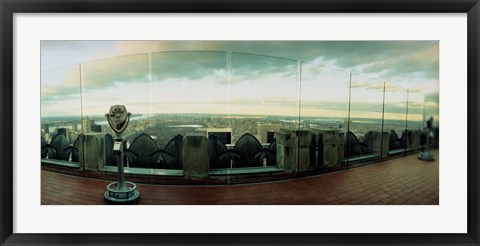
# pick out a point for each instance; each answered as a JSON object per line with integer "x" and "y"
{"x": 297, "y": 151}
{"x": 91, "y": 151}
{"x": 195, "y": 156}
{"x": 413, "y": 139}
{"x": 380, "y": 146}
{"x": 286, "y": 142}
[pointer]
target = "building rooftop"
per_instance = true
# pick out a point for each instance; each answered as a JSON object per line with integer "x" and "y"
{"x": 405, "y": 180}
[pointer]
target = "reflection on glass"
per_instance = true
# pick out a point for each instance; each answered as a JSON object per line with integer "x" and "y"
{"x": 60, "y": 112}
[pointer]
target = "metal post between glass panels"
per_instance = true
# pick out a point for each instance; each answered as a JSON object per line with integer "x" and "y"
{"x": 348, "y": 114}
{"x": 383, "y": 122}
{"x": 405, "y": 141}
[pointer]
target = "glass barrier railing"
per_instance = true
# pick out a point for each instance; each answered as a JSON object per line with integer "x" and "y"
{"x": 324, "y": 111}
{"x": 120, "y": 80}
{"x": 395, "y": 118}
{"x": 363, "y": 139}
{"x": 431, "y": 109}
{"x": 61, "y": 115}
{"x": 415, "y": 119}
{"x": 263, "y": 99}
{"x": 189, "y": 95}
{"x": 239, "y": 102}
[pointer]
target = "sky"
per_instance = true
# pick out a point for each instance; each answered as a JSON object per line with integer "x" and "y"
{"x": 241, "y": 77}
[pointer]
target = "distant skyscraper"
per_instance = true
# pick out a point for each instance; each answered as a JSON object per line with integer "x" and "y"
{"x": 85, "y": 124}
{"x": 46, "y": 128}
{"x": 75, "y": 127}
{"x": 90, "y": 125}
{"x": 47, "y": 137}
{"x": 95, "y": 128}
{"x": 71, "y": 137}
{"x": 270, "y": 136}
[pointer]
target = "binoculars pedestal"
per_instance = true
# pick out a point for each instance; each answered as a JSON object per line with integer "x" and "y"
{"x": 120, "y": 192}
{"x": 129, "y": 193}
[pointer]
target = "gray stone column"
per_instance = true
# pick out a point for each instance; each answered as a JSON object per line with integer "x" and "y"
{"x": 330, "y": 147}
{"x": 195, "y": 156}
{"x": 302, "y": 150}
{"x": 92, "y": 151}
{"x": 293, "y": 147}
{"x": 377, "y": 147}
{"x": 413, "y": 141}
{"x": 285, "y": 145}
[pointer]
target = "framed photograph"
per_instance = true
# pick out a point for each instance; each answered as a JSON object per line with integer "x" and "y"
{"x": 267, "y": 122}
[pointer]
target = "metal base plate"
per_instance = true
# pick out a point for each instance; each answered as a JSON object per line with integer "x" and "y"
{"x": 426, "y": 156}
{"x": 128, "y": 195}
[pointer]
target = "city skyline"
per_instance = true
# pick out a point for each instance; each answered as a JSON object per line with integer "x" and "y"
{"x": 230, "y": 81}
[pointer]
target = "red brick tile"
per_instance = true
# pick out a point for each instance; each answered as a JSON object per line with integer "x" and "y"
{"x": 399, "y": 181}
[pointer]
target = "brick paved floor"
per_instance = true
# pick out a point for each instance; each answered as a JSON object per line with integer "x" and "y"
{"x": 399, "y": 181}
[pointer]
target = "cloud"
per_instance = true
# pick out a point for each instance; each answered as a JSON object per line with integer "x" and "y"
{"x": 104, "y": 73}
{"x": 191, "y": 65}
{"x": 417, "y": 89}
{"x": 389, "y": 87}
{"x": 196, "y": 65}
{"x": 389, "y": 60}
{"x": 60, "y": 83}
{"x": 379, "y": 86}
{"x": 432, "y": 97}
{"x": 273, "y": 101}
{"x": 387, "y": 57}
{"x": 247, "y": 66}
{"x": 390, "y": 108}
{"x": 405, "y": 64}
{"x": 360, "y": 84}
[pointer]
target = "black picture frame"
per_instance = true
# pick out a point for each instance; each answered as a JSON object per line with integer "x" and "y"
{"x": 9, "y": 7}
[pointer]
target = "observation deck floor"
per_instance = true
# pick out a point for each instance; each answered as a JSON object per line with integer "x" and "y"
{"x": 406, "y": 180}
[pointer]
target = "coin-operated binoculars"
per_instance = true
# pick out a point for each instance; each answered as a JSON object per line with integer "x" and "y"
{"x": 426, "y": 155}
{"x": 120, "y": 192}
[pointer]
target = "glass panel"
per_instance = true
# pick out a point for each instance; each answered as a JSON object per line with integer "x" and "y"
{"x": 414, "y": 119}
{"x": 395, "y": 117}
{"x": 114, "y": 81}
{"x": 415, "y": 110}
{"x": 431, "y": 109}
{"x": 61, "y": 113}
{"x": 324, "y": 110}
{"x": 263, "y": 99}
{"x": 324, "y": 98}
{"x": 189, "y": 94}
{"x": 365, "y": 121}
